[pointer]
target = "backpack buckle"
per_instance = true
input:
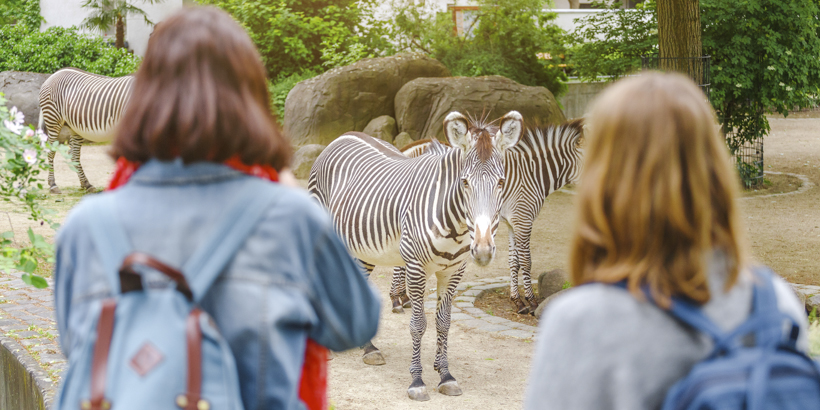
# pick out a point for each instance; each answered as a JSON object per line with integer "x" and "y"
{"x": 183, "y": 403}
{"x": 102, "y": 405}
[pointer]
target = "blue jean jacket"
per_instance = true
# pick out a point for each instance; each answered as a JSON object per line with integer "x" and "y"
{"x": 293, "y": 279}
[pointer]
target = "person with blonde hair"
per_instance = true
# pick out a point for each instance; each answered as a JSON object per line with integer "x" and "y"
{"x": 657, "y": 220}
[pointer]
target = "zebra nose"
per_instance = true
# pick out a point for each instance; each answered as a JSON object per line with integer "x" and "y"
{"x": 483, "y": 254}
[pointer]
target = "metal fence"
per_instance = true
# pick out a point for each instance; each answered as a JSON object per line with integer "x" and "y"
{"x": 696, "y": 68}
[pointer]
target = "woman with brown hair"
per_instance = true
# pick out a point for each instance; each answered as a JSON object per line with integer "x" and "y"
{"x": 656, "y": 212}
{"x": 198, "y": 132}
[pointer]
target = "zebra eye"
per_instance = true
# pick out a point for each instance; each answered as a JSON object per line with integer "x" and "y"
{"x": 464, "y": 182}
{"x": 501, "y": 183}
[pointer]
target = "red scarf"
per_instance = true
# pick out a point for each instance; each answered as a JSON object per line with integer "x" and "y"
{"x": 313, "y": 386}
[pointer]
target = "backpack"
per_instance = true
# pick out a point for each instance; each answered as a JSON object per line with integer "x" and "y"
{"x": 754, "y": 367}
{"x": 154, "y": 348}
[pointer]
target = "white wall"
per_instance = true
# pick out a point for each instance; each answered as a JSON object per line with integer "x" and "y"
{"x": 62, "y": 13}
{"x": 138, "y": 32}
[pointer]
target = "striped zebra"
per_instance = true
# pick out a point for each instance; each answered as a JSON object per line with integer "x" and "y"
{"x": 90, "y": 105}
{"x": 430, "y": 214}
{"x": 546, "y": 159}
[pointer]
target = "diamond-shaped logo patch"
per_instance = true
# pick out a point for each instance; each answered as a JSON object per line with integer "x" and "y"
{"x": 146, "y": 359}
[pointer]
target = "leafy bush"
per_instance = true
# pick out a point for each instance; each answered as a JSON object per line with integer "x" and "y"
{"x": 24, "y": 50}
{"x": 504, "y": 39}
{"x": 24, "y": 159}
{"x": 612, "y": 42}
{"x": 306, "y": 35}
{"x": 22, "y": 12}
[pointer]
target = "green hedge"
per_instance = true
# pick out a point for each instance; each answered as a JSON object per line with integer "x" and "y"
{"x": 46, "y": 52}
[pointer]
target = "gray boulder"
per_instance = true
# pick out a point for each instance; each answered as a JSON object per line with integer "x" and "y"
{"x": 304, "y": 158}
{"x": 344, "y": 99}
{"x": 422, "y": 104}
{"x": 551, "y": 282}
{"x": 402, "y": 140}
{"x": 383, "y": 128}
{"x": 22, "y": 90}
{"x": 543, "y": 305}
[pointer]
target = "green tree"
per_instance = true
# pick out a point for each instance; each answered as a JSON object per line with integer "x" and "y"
{"x": 295, "y": 36}
{"x": 22, "y": 12}
{"x": 105, "y": 13}
{"x": 611, "y": 43}
{"x": 504, "y": 38}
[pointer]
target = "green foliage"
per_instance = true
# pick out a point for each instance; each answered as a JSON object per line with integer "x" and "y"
{"x": 503, "y": 39}
{"x": 24, "y": 160}
{"x": 280, "y": 88}
{"x": 105, "y": 13}
{"x": 57, "y": 47}
{"x": 22, "y": 12}
{"x": 307, "y": 35}
{"x": 612, "y": 42}
{"x": 566, "y": 285}
{"x": 764, "y": 58}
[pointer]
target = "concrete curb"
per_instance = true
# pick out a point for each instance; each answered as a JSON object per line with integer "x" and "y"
{"x": 24, "y": 384}
{"x": 466, "y": 314}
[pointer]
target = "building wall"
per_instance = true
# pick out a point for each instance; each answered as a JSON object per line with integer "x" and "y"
{"x": 139, "y": 32}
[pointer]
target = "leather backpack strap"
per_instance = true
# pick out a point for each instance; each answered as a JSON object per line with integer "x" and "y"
{"x": 99, "y": 362}
{"x": 211, "y": 258}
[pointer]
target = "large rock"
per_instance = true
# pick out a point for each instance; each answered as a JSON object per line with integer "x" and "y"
{"x": 402, "y": 140}
{"x": 22, "y": 90}
{"x": 345, "y": 99}
{"x": 551, "y": 282}
{"x": 304, "y": 158}
{"x": 422, "y": 104}
{"x": 383, "y": 128}
{"x": 543, "y": 305}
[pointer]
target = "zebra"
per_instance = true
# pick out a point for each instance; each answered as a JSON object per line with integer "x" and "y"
{"x": 90, "y": 105}
{"x": 546, "y": 159}
{"x": 430, "y": 214}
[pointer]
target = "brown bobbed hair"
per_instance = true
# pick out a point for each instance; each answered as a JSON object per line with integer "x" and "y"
{"x": 658, "y": 192}
{"x": 201, "y": 95}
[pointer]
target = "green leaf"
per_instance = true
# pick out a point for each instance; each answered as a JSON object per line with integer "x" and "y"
{"x": 34, "y": 280}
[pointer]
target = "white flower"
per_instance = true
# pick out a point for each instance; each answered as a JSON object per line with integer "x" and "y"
{"x": 782, "y": 85}
{"x": 788, "y": 52}
{"x": 43, "y": 137}
{"x": 17, "y": 116}
{"x": 29, "y": 133}
{"x": 15, "y": 128}
{"x": 789, "y": 88}
{"x": 738, "y": 85}
{"x": 30, "y": 156}
{"x": 771, "y": 67}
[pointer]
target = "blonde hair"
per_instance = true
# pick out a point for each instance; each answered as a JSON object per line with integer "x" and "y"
{"x": 658, "y": 192}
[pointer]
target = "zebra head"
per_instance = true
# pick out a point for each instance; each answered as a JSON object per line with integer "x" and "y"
{"x": 482, "y": 174}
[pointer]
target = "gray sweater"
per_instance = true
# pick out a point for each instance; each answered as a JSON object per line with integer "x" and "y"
{"x": 600, "y": 348}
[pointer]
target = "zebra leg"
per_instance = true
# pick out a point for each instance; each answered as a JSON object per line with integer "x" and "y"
{"x": 371, "y": 355}
{"x": 52, "y": 184}
{"x": 416, "y": 282}
{"x": 446, "y": 288}
{"x": 523, "y": 244}
{"x": 514, "y": 266}
{"x": 75, "y": 143}
{"x": 398, "y": 290}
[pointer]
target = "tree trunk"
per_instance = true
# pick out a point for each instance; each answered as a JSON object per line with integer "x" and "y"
{"x": 679, "y": 37}
{"x": 120, "y": 32}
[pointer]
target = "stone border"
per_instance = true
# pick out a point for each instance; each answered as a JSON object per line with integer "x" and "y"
{"x": 466, "y": 314}
{"x": 29, "y": 331}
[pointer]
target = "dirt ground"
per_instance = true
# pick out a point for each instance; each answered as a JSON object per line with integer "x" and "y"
{"x": 784, "y": 232}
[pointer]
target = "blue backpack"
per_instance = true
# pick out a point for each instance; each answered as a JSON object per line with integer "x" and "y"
{"x": 768, "y": 373}
{"x": 154, "y": 348}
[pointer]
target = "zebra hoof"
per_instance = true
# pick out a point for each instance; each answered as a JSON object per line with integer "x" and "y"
{"x": 521, "y": 308}
{"x": 55, "y": 190}
{"x": 418, "y": 393}
{"x": 405, "y": 302}
{"x": 374, "y": 358}
{"x": 449, "y": 388}
{"x": 90, "y": 189}
{"x": 397, "y": 308}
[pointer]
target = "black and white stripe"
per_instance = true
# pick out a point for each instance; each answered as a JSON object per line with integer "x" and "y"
{"x": 90, "y": 105}
{"x": 546, "y": 159}
{"x": 429, "y": 214}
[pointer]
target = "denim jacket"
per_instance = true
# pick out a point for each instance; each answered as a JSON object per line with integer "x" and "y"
{"x": 293, "y": 279}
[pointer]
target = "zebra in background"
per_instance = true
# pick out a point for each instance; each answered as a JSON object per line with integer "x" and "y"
{"x": 90, "y": 105}
{"x": 546, "y": 159}
{"x": 430, "y": 214}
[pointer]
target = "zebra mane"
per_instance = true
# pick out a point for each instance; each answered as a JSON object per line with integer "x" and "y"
{"x": 482, "y": 132}
{"x": 572, "y": 131}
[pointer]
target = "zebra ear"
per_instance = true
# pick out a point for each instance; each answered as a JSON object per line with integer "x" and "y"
{"x": 512, "y": 125}
{"x": 455, "y": 128}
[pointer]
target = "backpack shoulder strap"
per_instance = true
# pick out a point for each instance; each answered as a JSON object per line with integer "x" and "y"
{"x": 211, "y": 258}
{"x": 109, "y": 237}
{"x": 691, "y": 314}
